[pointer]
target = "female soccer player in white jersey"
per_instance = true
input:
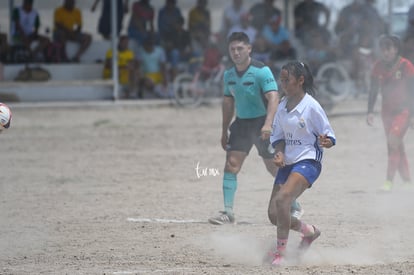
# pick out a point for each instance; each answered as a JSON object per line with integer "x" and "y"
{"x": 300, "y": 132}
{"x": 245, "y": 85}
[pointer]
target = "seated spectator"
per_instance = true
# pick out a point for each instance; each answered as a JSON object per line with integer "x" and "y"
{"x": 245, "y": 27}
{"x": 408, "y": 38}
{"x": 278, "y": 37}
{"x": 307, "y": 17}
{"x": 262, "y": 51}
{"x": 68, "y": 27}
{"x": 177, "y": 46}
{"x": 127, "y": 65}
{"x": 408, "y": 48}
{"x": 152, "y": 62}
{"x": 319, "y": 51}
{"x": 141, "y": 23}
{"x": 262, "y": 12}
{"x": 409, "y": 31}
{"x": 199, "y": 20}
{"x": 211, "y": 61}
{"x": 232, "y": 15}
{"x": 104, "y": 25}
{"x": 168, "y": 18}
{"x": 25, "y": 31}
{"x": 4, "y": 47}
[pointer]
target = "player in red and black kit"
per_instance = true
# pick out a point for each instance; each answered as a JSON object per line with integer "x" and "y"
{"x": 393, "y": 76}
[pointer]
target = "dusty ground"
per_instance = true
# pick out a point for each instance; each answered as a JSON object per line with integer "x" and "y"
{"x": 82, "y": 188}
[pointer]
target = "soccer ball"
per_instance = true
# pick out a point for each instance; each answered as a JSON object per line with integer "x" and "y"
{"x": 5, "y": 116}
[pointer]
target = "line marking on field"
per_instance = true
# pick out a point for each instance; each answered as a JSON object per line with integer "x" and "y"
{"x": 156, "y": 220}
{"x": 147, "y": 220}
{"x": 148, "y": 271}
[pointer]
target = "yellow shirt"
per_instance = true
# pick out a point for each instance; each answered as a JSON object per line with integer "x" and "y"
{"x": 70, "y": 19}
{"x": 124, "y": 57}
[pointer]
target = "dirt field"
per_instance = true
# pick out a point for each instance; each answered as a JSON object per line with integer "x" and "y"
{"x": 113, "y": 189}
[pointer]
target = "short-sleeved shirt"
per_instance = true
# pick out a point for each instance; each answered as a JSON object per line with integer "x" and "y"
{"x": 151, "y": 61}
{"x": 70, "y": 19}
{"x": 231, "y": 15}
{"x": 261, "y": 13}
{"x": 124, "y": 57}
{"x": 275, "y": 37}
{"x": 199, "y": 20}
{"x": 248, "y": 89}
{"x": 142, "y": 14}
{"x": 167, "y": 20}
{"x": 29, "y": 21}
{"x": 394, "y": 84}
{"x": 300, "y": 129}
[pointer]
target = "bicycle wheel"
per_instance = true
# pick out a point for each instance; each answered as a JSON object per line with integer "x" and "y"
{"x": 332, "y": 80}
{"x": 187, "y": 93}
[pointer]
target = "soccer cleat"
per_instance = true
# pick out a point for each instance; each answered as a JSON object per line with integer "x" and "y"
{"x": 296, "y": 210}
{"x": 387, "y": 186}
{"x": 307, "y": 241}
{"x": 223, "y": 218}
{"x": 277, "y": 259}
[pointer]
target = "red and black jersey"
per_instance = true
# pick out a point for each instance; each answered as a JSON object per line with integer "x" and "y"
{"x": 394, "y": 84}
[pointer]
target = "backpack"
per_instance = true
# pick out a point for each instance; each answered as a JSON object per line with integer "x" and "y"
{"x": 33, "y": 74}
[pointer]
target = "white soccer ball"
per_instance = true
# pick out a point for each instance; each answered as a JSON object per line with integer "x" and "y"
{"x": 5, "y": 116}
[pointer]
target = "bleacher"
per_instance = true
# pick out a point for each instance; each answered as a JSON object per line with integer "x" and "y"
{"x": 68, "y": 81}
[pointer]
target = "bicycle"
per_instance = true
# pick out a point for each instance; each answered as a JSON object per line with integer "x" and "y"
{"x": 192, "y": 90}
{"x": 333, "y": 79}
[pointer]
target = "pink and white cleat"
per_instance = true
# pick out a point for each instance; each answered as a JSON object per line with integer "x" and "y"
{"x": 277, "y": 259}
{"x": 307, "y": 241}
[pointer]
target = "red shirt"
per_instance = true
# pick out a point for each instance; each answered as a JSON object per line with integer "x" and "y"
{"x": 143, "y": 14}
{"x": 393, "y": 82}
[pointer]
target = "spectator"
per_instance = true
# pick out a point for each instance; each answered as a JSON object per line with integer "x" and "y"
{"x": 408, "y": 48}
{"x": 347, "y": 27}
{"x": 373, "y": 24}
{"x": 408, "y": 37}
{"x": 152, "y": 62}
{"x": 246, "y": 27}
{"x": 261, "y": 51}
{"x": 141, "y": 23}
{"x": 4, "y": 47}
{"x": 104, "y": 25}
{"x": 127, "y": 65}
{"x": 68, "y": 27}
{"x": 25, "y": 30}
{"x": 168, "y": 16}
{"x": 277, "y": 36}
{"x": 409, "y": 32}
{"x": 262, "y": 12}
{"x": 199, "y": 21}
{"x": 199, "y": 26}
{"x": 232, "y": 15}
{"x": 319, "y": 51}
{"x": 178, "y": 47}
{"x": 307, "y": 18}
{"x": 358, "y": 23}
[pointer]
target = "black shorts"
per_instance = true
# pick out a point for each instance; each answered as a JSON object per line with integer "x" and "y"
{"x": 246, "y": 132}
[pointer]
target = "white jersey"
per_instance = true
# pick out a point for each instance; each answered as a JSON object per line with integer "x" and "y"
{"x": 27, "y": 20}
{"x": 300, "y": 129}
